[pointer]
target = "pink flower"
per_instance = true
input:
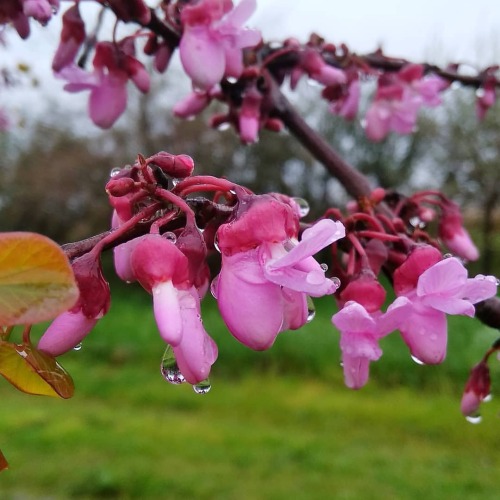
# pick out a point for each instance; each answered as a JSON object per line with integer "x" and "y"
{"x": 442, "y": 288}
{"x": 213, "y": 39}
{"x": 165, "y": 271}
{"x": 347, "y": 104}
{"x": 453, "y": 233}
{"x": 476, "y": 389}
{"x": 72, "y": 326}
{"x": 41, "y": 10}
{"x": 72, "y": 37}
{"x": 360, "y": 332}
{"x": 398, "y": 100}
{"x": 113, "y": 67}
{"x": 249, "y": 116}
{"x": 317, "y": 69}
{"x": 266, "y": 273}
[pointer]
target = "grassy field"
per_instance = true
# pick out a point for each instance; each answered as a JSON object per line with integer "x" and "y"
{"x": 276, "y": 425}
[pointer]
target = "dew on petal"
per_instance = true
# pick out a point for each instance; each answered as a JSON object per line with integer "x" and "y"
{"x": 115, "y": 171}
{"x": 324, "y": 267}
{"x": 416, "y": 360}
{"x": 202, "y": 387}
{"x": 213, "y": 286}
{"x": 77, "y": 347}
{"x": 474, "y": 419}
{"x": 169, "y": 368}
{"x": 311, "y": 310}
{"x": 303, "y": 206}
{"x": 336, "y": 281}
{"x": 170, "y": 237}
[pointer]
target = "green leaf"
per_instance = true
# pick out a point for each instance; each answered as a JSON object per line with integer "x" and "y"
{"x": 36, "y": 279}
{"x": 34, "y": 372}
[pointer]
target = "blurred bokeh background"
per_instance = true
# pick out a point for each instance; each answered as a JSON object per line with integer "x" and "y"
{"x": 278, "y": 424}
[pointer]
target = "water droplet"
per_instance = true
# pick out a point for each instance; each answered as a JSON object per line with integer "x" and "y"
{"x": 336, "y": 281}
{"x": 493, "y": 279}
{"x": 170, "y": 237}
{"x": 231, "y": 79}
{"x": 175, "y": 181}
{"x": 216, "y": 243}
{"x": 303, "y": 206}
{"x": 416, "y": 360}
{"x": 324, "y": 267}
{"x": 498, "y": 282}
{"x": 417, "y": 222}
{"x": 202, "y": 387}
{"x": 447, "y": 256}
{"x": 223, "y": 126}
{"x": 115, "y": 171}
{"x": 311, "y": 310}
{"x": 169, "y": 368}
{"x": 487, "y": 398}
{"x": 213, "y": 287}
{"x": 473, "y": 419}
{"x": 77, "y": 347}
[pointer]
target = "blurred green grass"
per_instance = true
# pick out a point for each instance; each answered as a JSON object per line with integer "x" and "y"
{"x": 277, "y": 424}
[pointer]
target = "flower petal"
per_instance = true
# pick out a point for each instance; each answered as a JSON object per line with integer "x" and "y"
{"x": 167, "y": 312}
{"x": 445, "y": 278}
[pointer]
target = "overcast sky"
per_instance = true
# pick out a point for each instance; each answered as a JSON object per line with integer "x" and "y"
{"x": 434, "y": 30}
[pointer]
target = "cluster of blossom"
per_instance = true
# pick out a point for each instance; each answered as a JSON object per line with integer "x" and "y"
{"x": 231, "y": 63}
{"x": 268, "y": 266}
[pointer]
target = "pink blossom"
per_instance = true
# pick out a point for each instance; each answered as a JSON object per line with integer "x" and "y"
{"x": 165, "y": 271}
{"x": 113, "y": 67}
{"x": 72, "y": 37}
{"x": 213, "y": 38}
{"x": 191, "y": 105}
{"x": 453, "y": 233}
{"x": 72, "y": 326}
{"x": 41, "y": 10}
{"x": 347, "y": 105}
{"x": 443, "y": 288}
{"x": 266, "y": 273}
{"x": 360, "y": 332}
{"x": 398, "y": 100}
{"x": 249, "y": 116}
{"x": 476, "y": 389}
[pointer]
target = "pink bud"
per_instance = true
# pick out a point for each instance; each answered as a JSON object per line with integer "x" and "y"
{"x": 476, "y": 389}
{"x": 454, "y": 235}
{"x": 177, "y": 166}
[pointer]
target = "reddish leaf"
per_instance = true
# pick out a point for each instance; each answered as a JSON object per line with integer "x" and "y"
{"x": 36, "y": 279}
{"x": 34, "y": 372}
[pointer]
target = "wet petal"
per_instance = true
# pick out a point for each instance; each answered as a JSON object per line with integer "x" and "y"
{"x": 167, "y": 312}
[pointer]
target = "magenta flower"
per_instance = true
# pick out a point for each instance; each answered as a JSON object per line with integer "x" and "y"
{"x": 41, "y": 10}
{"x": 443, "y": 288}
{"x": 398, "y": 100}
{"x": 213, "y": 39}
{"x": 164, "y": 270}
{"x": 113, "y": 67}
{"x": 72, "y": 326}
{"x": 360, "y": 332}
{"x": 72, "y": 37}
{"x": 266, "y": 273}
{"x": 453, "y": 233}
{"x": 477, "y": 389}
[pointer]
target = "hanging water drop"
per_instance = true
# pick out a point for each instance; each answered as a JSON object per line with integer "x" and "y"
{"x": 473, "y": 419}
{"x": 169, "y": 368}
{"x": 417, "y": 360}
{"x": 175, "y": 181}
{"x": 311, "y": 310}
{"x": 417, "y": 222}
{"x": 77, "y": 347}
{"x": 303, "y": 206}
{"x": 216, "y": 243}
{"x": 213, "y": 286}
{"x": 170, "y": 237}
{"x": 336, "y": 281}
{"x": 487, "y": 398}
{"x": 324, "y": 267}
{"x": 115, "y": 171}
{"x": 202, "y": 387}
{"x": 447, "y": 255}
{"x": 224, "y": 126}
